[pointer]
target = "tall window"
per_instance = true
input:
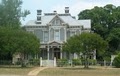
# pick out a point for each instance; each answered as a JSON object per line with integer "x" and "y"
{"x": 56, "y": 36}
{"x": 56, "y": 22}
{"x": 45, "y": 36}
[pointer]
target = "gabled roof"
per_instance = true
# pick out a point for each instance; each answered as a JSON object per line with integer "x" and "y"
{"x": 65, "y": 18}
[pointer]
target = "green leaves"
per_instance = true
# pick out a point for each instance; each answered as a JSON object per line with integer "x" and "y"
{"x": 86, "y": 42}
{"x": 103, "y": 18}
{"x": 11, "y": 13}
{"x": 12, "y": 41}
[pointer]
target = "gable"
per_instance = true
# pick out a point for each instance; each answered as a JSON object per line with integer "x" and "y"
{"x": 54, "y": 43}
{"x": 56, "y": 21}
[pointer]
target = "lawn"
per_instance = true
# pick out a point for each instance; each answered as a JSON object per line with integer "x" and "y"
{"x": 14, "y": 71}
{"x": 80, "y": 72}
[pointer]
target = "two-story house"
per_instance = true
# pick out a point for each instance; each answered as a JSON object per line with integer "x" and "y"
{"x": 53, "y": 29}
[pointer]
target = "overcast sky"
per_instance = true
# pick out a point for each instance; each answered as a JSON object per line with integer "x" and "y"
{"x": 48, "y": 6}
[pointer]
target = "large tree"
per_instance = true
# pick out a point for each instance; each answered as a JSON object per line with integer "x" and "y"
{"x": 11, "y": 13}
{"x": 104, "y": 20}
{"x": 114, "y": 40}
{"x": 17, "y": 41}
{"x": 85, "y": 43}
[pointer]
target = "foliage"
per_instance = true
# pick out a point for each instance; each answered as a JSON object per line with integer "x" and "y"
{"x": 92, "y": 62}
{"x": 34, "y": 62}
{"x": 19, "y": 41}
{"x": 103, "y": 21}
{"x": 62, "y": 62}
{"x": 114, "y": 40}
{"x": 76, "y": 62}
{"x": 11, "y": 13}
{"x": 85, "y": 43}
{"x": 116, "y": 61}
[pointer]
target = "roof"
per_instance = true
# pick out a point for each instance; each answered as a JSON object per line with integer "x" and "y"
{"x": 66, "y": 18}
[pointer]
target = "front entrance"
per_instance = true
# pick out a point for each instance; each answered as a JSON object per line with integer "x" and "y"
{"x": 57, "y": 53}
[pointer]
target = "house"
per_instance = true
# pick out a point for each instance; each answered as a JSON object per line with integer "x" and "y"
{"x": 53, "y": 29}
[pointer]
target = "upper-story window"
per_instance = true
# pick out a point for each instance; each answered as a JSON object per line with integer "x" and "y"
{"x": 56, "y": 35}
{"x": 45, "y": 36}
{"x": 72, "y": 33}
{"x": 56, "y": 22}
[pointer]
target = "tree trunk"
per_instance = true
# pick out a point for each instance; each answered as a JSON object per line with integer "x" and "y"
{"x": 86, "y": 64}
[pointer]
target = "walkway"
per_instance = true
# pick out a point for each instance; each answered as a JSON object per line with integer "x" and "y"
{"x": 35, "y": 71}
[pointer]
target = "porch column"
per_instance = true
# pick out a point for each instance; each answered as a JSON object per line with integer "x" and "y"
{"x": 61, "y": 52}
{"x": 65, "y": 34}
{"x": 48, "y": 53}
{"x": 94, "y": 55}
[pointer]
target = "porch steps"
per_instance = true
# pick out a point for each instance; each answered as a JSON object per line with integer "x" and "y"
{"x": 48, "y": 63}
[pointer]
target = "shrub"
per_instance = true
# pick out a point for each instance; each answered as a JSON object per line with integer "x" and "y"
{"x": 34, "y": 62}
{"x": 76, "y": 62}
{"x": 92, "y": 62}
{"x": 116, "y": 61}
{"x": 62, "y": 62}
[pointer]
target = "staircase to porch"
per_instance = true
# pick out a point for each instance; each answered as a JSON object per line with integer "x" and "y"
{"x": 48, "y": 63}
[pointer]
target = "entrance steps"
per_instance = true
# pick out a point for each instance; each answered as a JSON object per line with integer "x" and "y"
{"x": 48, "y": 63}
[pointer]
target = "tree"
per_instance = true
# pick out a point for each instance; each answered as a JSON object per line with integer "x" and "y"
{"x": 19, "y": 41}
{"x": 104, "y": 20}
{"x": 85, "y": 43}
{"x": 114, "y": 40}
{"x": 116, "y": 61}
{"x": 11, "y": 13}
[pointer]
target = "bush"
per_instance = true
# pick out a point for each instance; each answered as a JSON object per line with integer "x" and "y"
{"x": 34, "y": 62}
{"x": 62, "y": 62}
{"x": 116, "y": 61}
{"x": 76, "y": 62}
{"x": 92, "y": 62}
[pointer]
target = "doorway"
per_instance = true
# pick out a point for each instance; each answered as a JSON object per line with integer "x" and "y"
{"x": 57, "y": 53}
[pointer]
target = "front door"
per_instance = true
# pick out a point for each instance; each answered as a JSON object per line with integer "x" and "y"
{"x": 57, "y": 53}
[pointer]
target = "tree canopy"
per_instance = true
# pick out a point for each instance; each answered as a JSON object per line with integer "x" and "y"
{"x": 104, "y": 21}
{"x": 103, "y": 18}
{"x": 12, "y": 37}
{"x": 13, "y": 41}
{"x": 85, "y": 43}
{"x": 11, "y": 13}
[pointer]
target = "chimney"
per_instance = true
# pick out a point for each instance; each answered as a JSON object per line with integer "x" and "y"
{"x": 39, "y": 13}
{"x": 66, "y": 10}
{"x": 55, "y": 11}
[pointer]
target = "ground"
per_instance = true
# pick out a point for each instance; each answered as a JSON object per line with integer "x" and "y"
{"x": 102, "y": 71}
{"x": 62, "y": 71}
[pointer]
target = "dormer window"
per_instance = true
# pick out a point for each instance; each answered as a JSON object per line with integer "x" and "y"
{"x": 56, "y": 22}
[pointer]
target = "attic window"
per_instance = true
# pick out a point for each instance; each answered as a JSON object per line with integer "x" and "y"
{"x": 56, "y": 22}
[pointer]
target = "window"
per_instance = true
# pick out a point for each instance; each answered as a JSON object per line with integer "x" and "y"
{"x": 72, "y": 33}
{"x": 56, "y": 22}
{"x": 56, "y": 36}
{"x": 45, "y": 36}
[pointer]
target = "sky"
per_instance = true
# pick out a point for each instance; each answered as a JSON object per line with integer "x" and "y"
{"x": 75, "y": 6}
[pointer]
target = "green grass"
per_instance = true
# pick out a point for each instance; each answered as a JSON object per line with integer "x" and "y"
{"x": 14, "y": 71}
{"x": 80, "y": 72}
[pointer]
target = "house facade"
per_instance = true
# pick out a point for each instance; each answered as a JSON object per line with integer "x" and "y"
{"x": 53, "y": 29}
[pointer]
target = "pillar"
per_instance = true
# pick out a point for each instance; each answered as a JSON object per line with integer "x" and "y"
{"x": 61, "y": 52}
{"x": 65, "y": 34}
{"x": 94, "y": 55}
{"x": 41, "y": 61}
{"x": 54, "y": 61}
{"x": 48, "y": 53}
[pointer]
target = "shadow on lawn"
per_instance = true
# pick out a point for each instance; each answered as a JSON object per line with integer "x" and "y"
{"x": 79, "y": 68}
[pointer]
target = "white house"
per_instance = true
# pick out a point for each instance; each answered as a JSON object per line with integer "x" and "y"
{"x": 53, "y": 29}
